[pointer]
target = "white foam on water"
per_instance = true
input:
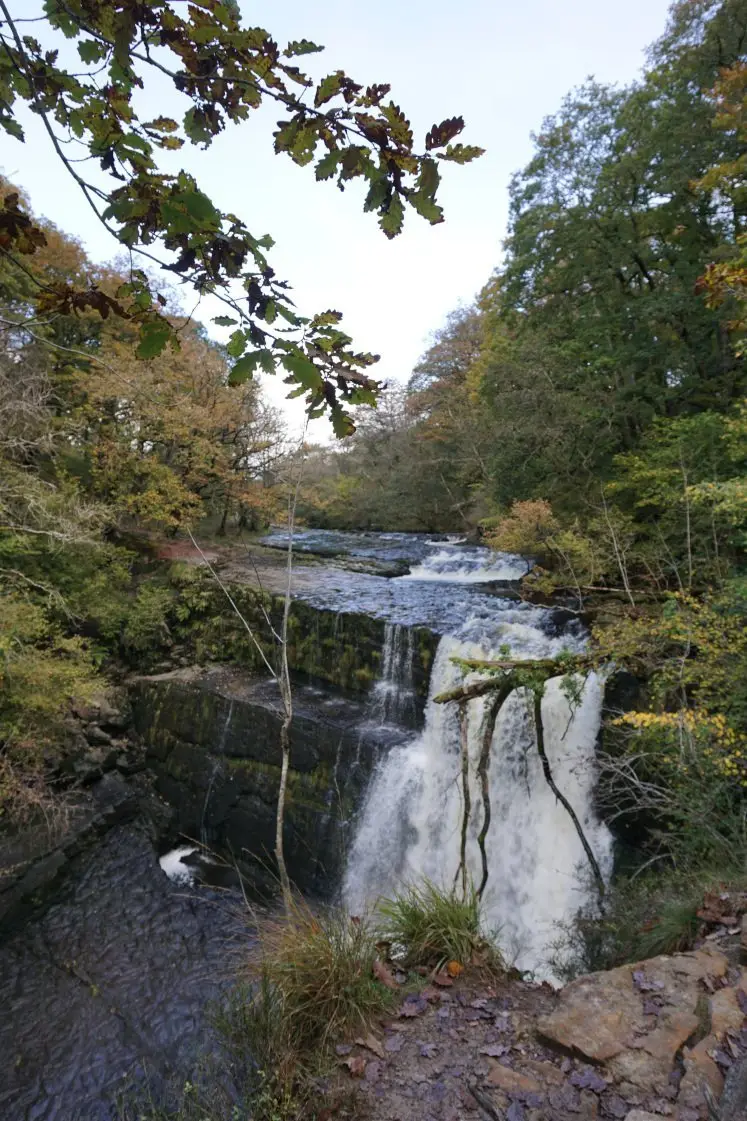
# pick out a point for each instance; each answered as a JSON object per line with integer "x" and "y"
{"x": 456, "y": 565}
{"x": 172, "y": 864}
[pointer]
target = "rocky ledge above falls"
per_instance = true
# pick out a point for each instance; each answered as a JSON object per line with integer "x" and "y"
{"x": 212, "y": 740}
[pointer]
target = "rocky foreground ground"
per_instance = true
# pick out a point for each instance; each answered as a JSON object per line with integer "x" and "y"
{"x": 636, "y": 1043}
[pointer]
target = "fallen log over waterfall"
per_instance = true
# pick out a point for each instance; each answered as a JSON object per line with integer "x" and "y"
{"x": 514, "y": 673}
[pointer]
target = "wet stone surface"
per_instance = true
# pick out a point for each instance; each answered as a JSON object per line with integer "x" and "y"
{"x": 112, "y": 984}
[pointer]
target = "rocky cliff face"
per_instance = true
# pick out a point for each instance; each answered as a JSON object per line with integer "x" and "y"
{"x": 212, "y": 740}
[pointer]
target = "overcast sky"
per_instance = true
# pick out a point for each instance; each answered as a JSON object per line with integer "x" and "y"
{"x": 502, "y": 64}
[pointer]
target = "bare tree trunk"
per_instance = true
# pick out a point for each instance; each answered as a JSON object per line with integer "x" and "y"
{"x": 688, "y": 529}
{"x": 285, "y": 884}
{"x": 281, "y": 676}
{"x": 224, "y": 519}
{"x": 286, "y": 694}
{"x": 619, "y": 555}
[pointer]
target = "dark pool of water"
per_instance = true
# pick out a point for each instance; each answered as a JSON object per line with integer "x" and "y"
{"x": 109, "y": 988}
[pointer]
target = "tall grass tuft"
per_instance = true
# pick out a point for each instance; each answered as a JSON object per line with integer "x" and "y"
{"x": 673, "y": 929}
{"x": 320, "y": 969}
{"x": 642, "y": 917}
{"x": 431, "y": 926}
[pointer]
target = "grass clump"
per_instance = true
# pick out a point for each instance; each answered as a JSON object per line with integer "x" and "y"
{"x": 309, "y": 982}
{"x": 673, "y": 929}
{"x": 431, "y": 926}
{"x": 642, "y": 917}
{"x": 319, "y": 968}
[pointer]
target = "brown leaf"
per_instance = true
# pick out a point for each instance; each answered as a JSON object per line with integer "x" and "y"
{"x": 372, "y": 1043}
{"x": 356, "y": 1064}
{"x": 383, "y": 973}
{"x": 442, "y": 980}
{"x": 413, "y": 1006}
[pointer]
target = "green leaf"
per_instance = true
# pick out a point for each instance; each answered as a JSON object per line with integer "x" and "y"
{"x": 399, "y": 124}
{"x": 243, "y": 370}
{"x": 300, "y": 47}
{"x": 225, "y": 321}
{"x": 429, "y": 177}
{"x": 360, "y": 395}
{"x": 90, "y": 50}
{"x": 162, "y": 124}
{"x": 196, "y": 127}
{"x": 266, "y": 361}
{"x": 303, "y": 370}
{"x": 288, "y": 315}
{"x": 378, "y": 193}
{"x": 199, "y": 206}
{"x": 236, "y": 344}
{"x": 391, "y": 221}
{"x": 327, "y": 166}
{"x": 461, "y": 153}
{"x": 328, "y": 87}
{"x": 11, "y": 126}
{"x": 426, "y": 207}
{"x": 342, "y": 423}
{"x": 304, "y": 145}
{"x": 154, "y": 335}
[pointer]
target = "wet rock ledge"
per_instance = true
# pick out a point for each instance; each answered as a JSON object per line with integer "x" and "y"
{"x": 211, "y": 738}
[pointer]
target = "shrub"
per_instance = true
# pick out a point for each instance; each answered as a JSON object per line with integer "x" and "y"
{"x": 42, "y": 673}
{"x": 146, "y": 634}
{"x": 431, "y": 927}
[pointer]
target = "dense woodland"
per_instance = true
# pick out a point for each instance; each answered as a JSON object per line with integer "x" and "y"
{"x": 589, "y": 409}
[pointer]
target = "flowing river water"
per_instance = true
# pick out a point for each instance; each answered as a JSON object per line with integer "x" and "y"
{"x": 118, "y": 971}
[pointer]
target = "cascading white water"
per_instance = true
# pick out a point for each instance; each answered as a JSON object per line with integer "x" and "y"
{"x": 469, "y": 565}
{"x": 393, "y": 695}
{"x": 411, "y": 823}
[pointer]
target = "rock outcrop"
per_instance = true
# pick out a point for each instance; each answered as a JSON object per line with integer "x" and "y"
{"x": 212, "y": 740}
{"x": 637, "y": 1043}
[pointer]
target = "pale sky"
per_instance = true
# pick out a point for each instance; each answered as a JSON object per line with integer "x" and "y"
{"x": 503, "y": 65}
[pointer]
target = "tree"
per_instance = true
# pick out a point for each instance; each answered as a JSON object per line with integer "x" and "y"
{"x": 96, "y": 444}
{"x": 725, "y": 280}
{"x": 222, "y": 71}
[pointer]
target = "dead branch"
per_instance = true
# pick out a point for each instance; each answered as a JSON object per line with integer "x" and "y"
{"x": 539, "y": 730}
{"x": 482, "y": 773}
{"x": 467, "y": 803}
{"x": 505, "y": 674}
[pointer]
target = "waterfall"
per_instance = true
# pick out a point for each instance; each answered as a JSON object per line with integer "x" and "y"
{"x": 393, "y": 695}
{"x": 410, "y": 825}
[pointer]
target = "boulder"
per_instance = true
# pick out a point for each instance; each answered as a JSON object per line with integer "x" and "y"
{"x": 636, "y": 1018}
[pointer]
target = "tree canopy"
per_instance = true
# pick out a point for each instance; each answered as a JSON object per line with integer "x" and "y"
{"x": 222, "y": 71}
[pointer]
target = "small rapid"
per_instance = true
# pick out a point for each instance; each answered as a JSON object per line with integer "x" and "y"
{"x": 468, "y": 565}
